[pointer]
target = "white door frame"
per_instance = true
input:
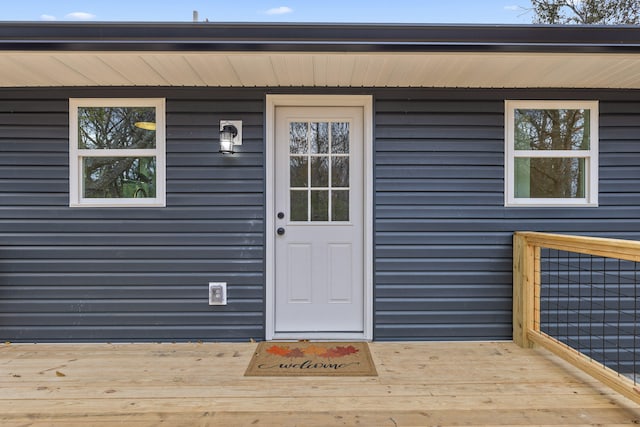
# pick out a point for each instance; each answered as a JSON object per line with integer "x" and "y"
{"x": 366, "y": 102}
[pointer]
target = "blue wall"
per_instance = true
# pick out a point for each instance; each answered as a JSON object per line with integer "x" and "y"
{"x": 442, "y": 233}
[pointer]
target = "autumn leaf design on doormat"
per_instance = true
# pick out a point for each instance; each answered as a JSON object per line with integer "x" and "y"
{"x": 305, "y": 358}
{"x": 312, "y": 350}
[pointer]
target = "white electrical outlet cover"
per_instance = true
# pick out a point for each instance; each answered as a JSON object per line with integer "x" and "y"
{"x": 217, "y": 293}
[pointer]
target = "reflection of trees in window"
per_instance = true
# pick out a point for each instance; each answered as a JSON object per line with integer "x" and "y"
{"x": 298, "y": 171}
{"x": 318, "y": 165}
{"x": 320, "y": 171}
{"x": 340, "y": 171}
{"x": 119, "y": 177}
{"x": 298, "y": 138}
{"x": 114, "y": 128}
{"x": 319, "y": 137}
{"x": 553, "y": 129}
{"x": 340, "y": 137}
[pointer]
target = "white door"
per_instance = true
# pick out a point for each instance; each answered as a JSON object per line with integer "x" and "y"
{"x": 319, "y": 241}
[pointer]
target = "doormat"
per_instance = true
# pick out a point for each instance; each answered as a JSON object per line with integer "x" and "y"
{"x": 311, "y": 359}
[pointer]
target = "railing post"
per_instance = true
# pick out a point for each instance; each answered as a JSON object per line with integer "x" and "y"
{"x": 523, "y": 290}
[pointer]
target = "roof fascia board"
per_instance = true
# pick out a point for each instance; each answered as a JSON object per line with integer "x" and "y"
{"x": 385, "y": 38}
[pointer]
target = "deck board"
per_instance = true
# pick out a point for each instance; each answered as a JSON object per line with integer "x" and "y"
{"x": 192, "y": 384}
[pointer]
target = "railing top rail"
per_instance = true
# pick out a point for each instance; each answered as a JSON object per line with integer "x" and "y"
{"x": 597, "y": 246}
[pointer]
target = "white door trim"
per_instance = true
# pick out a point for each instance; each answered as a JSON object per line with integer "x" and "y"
{"x": 366, "y": 102}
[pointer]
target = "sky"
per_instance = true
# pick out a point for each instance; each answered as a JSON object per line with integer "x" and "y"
{"x": 352, "y": 11}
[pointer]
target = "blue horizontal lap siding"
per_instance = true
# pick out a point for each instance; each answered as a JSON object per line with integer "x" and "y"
{"x": 127, "y": 274}
{"x": 442, "y": 255}
{"x": 439, "y": 164}
{"x": 443, "y": 236}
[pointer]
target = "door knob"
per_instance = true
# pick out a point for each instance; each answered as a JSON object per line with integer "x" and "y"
{"x": 280, "y": 231}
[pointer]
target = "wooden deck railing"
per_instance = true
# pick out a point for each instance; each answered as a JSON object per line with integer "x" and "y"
{"x": 528, "y": 289}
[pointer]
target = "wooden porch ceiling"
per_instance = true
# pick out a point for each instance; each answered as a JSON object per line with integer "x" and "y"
{"x": 320, "y": 69}
{"x": 419, "y": 384}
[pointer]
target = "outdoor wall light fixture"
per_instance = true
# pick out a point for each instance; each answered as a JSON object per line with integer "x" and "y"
{"x": 230, "y": 135}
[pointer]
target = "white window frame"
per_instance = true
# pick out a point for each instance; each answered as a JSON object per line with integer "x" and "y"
{"x": 76, "y": 154}
{"x": 590, "y": 156}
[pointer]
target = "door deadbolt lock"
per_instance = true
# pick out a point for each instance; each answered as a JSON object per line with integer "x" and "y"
{"x": 280, "y": 215}
{"x": 280, "y": 231}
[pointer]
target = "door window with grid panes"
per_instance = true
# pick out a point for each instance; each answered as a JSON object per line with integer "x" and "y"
{"x": 319, "y": 159}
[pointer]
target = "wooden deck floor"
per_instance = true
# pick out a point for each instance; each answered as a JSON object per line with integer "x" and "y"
{"x": 419, "y": 384}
